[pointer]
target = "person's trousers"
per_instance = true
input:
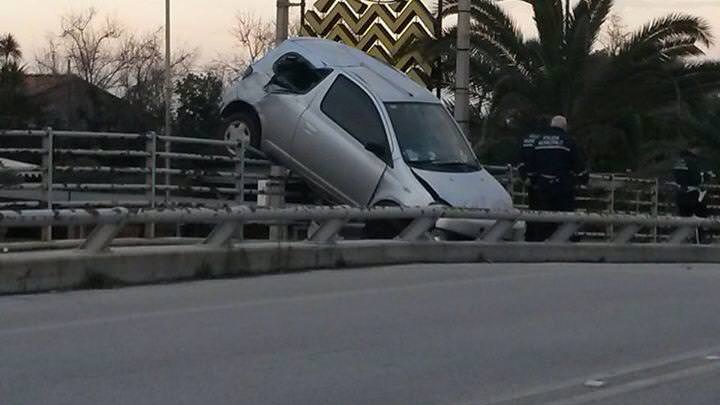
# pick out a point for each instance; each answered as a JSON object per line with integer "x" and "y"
{"x": 553, "y": 197}
{"x": 689, "y": 205}
{"x": 531, "y": 234}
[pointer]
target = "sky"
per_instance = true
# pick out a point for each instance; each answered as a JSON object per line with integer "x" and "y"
{"x": 204, "y": 25}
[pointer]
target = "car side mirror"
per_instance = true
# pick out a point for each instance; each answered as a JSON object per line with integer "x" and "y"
{"x": 377, "y": 150}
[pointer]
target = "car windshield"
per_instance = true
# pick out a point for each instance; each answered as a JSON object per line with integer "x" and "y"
{"x": 429, "y": 139}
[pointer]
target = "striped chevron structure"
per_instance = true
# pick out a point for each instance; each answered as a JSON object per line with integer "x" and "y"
{"x": 380, "y": 28}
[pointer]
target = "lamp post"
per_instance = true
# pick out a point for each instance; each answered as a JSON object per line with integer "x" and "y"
{"x": 168, "y": 72}
{"x": 282, "y": 19}
{"x": 462, "y": 73}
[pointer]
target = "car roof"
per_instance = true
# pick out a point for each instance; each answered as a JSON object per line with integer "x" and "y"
{"x": 384, "y": 81}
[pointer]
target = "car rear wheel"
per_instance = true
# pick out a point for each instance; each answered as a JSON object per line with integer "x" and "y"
{"x": 241, "y": 127}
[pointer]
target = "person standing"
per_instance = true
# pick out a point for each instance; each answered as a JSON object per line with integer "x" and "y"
{"x": 558, "y": 166}
{"x": 527, "y": 148}
{"x": 690, "y": 173}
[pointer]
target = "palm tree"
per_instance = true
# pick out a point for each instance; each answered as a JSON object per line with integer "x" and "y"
{"x": 9, "y": 49}
{"x": 565, "y": 71}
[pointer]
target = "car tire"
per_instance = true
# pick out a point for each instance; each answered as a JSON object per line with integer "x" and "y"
{"x": 385, "y": 229}
{"x": 239, "y": 126}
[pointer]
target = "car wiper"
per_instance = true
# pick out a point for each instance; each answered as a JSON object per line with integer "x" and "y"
{"x": 455, "y": 163}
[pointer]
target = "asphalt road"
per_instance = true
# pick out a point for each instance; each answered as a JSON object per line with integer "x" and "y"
{"x": 460, "y": 334}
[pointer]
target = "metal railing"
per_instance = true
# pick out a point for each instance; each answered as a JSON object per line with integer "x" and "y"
{"x": 418, "y": 222}
{"x": 150, "y": 169}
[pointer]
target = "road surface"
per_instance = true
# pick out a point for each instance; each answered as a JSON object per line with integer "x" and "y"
{"x": 422, "y": 334}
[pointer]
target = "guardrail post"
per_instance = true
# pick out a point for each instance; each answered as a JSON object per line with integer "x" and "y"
{"x": 222, "y": 234}
{"x": 240, "y": 156}
{"x": 496, "y": 232}
{"x": 656, "y": 207}
{"x": 328, "y": 230}
{"x": 681, "y": 235}
{"x": 151, "y": 177}
{"x": 511, "y": 180}
{"x": 626, "y": 234}
{"x": 168, "y": 149}
{"x": 102, "y": 236}
{"x": 417, "y": 228}
{"x": 610, "y": 230}
{"x": 48, "y": 171}
{"x": 565, "y": 232}
{"x": 271, "y": 193}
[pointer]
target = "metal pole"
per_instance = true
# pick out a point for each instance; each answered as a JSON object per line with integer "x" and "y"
{"x": 282, "y": 21}
{"x": 151, "y": 177}
{"x": 302, "y": 17}
{"x": 656, "y": 207}
{"x": 48, "y": 172}
{"x": 168, "y": 72}
{"x": 438, "y": 34}
{"x": 462, "y": 74}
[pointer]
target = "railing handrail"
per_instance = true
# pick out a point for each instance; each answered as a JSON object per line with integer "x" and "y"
{"x": 44, "y": 217}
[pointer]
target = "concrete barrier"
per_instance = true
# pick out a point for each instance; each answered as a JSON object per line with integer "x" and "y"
{"x": 30, "y": 272}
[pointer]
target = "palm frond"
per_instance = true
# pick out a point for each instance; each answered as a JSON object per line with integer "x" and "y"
{"x": 652, "y": 35}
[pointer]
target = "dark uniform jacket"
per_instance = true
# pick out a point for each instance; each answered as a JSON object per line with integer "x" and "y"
{"x": 527, "y": 148}
{"x": 556, "y": 159}
{"x": 688, "y": 172}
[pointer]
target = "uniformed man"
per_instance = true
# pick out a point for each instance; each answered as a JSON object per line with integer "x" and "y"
{"x": 527, "y": 148}
{"x": 690, "y": 174}
{"x": 558, "y": 166}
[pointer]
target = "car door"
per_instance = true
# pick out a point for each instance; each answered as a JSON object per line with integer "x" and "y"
{"x": 288, "y": 94}
{"x": 342, "y": 142}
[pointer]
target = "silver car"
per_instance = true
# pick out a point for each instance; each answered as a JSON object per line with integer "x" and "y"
{"x": 362, "y": 132}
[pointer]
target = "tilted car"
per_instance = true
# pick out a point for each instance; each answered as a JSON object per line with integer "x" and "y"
{"x": 359, "y": 130}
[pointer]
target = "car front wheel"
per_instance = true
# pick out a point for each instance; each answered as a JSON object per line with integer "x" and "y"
{"x": 241, "y": 127}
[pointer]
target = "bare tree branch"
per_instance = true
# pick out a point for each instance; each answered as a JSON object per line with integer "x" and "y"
{"x": 253, "y": 35}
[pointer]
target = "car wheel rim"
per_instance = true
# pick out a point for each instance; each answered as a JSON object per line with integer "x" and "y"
{"x": 236, "y": 132}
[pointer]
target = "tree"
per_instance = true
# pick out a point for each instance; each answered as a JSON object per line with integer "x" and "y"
{"x": 16, "y": 110}
{"x": 253, "y": 37}
{"x": 198, "y": 112}
{"x": 129, "y": 65}
{"x": 615, "y": 35}
{"x": 95, "y": 49}
{"x": 564, "y": 72}
{"x": 9, "y": 49}
{"x": 142, "y": 82}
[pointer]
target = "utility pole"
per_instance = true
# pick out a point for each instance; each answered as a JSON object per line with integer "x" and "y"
{"x": 282, "y": 21}
{"x": 438, "y": 35}
{"x": 168, "y": 72}
{"x": 462, "y": 73}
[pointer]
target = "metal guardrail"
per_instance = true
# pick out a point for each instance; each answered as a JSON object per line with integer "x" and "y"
{"x": 108, "y": 223}
{"x": 98, "y": 169}
{"x": 77, "y": 169}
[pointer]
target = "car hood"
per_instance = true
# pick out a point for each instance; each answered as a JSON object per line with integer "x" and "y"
{"x": 467, "y": 190}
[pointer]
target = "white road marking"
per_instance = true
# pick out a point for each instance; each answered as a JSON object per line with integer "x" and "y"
{"x": 140, "y": 316}
{"x": 626, "y": 370}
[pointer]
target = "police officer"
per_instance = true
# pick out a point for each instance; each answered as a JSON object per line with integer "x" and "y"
{"x": 690, "y": 173}
{"x": 558, "y": 166}
{"x": 527, "y": 148}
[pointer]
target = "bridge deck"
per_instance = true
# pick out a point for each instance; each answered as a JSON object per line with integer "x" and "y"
{"x": 477, "y": 334}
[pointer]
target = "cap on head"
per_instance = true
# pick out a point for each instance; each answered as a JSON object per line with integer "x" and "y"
{"x": 559, "y": 122}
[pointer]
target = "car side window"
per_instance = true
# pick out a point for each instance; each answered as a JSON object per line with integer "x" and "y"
{"x": 294, "y": 73}
{"x": 352, "y": 109}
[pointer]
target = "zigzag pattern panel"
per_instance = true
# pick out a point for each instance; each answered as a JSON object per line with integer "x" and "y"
{"x": 380, "y": 29}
